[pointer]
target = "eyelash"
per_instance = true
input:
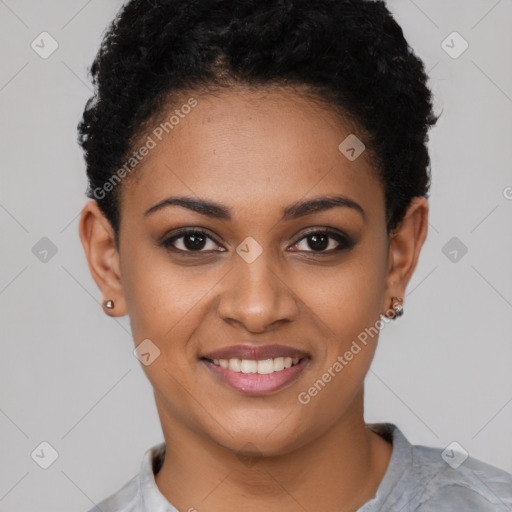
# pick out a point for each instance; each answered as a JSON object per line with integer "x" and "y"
{"x": 345, "y": 242}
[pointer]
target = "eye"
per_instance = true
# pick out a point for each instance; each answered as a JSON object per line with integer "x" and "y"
{"x": 322, "y": 239}
{"x": 319, "y": 240}
{"x": 190, "y": 240}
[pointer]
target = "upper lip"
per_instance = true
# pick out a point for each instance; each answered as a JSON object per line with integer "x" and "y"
{"x": 255, "y": 352}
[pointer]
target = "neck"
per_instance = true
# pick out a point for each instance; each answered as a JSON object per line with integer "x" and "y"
{"x": 342, "y": 466}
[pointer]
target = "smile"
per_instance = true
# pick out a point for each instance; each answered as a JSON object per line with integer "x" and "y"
{"x": 256, "y": 377}
{"x": 256, "y": 369}
{"x": 262, "y": 366}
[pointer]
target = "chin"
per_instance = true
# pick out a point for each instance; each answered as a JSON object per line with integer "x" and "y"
{"x": 260, "y": 438}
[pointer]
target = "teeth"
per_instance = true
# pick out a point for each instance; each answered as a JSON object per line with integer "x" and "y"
{"x": 262, "y": 366}
{"x": 234, "y": 364}
{"x": 278, "y": 364}
{"x": 265, "y": 366}
{"x": 248, "y": 366}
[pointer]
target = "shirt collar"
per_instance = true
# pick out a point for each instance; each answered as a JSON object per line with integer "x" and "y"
{"x": 150, "y": 496}
{"x": 396, "y": 473}
{"x": 153, "y": 500}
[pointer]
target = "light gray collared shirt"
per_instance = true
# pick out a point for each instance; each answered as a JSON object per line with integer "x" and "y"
{"x": 418, "y": 478}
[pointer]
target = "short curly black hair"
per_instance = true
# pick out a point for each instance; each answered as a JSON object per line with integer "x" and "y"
{"x": 349, "y": 54}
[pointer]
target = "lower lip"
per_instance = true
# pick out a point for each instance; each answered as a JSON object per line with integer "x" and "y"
{"x": 255, "y": 383}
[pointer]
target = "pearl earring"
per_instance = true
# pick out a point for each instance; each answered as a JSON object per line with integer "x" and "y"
{"x": 109, "y": 304}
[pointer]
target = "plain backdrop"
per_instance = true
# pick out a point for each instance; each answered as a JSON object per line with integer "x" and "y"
{"x": 68, "y": 376}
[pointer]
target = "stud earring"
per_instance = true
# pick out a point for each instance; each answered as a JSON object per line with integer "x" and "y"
{"x": 109, "y": 304}
{"x": 397, "y": 305}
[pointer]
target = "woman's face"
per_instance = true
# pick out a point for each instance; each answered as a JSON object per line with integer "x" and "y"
{"x": 261, "y": 275}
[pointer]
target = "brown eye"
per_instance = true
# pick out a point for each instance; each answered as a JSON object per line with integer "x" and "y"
{"x": 325, "y": 241}
{"x": 190, "y": 240}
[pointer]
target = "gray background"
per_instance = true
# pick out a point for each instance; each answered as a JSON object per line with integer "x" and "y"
{"x": 67, "y": 372}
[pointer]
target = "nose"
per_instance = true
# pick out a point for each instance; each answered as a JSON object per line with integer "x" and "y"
{"x": 257, "y": 295}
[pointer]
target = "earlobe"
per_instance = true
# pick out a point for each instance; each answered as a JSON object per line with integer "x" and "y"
{"x": 98, "y": 241}
{"x": 405, "y": 246}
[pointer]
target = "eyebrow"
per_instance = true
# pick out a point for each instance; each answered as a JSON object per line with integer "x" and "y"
{"x": 293, "y": 211}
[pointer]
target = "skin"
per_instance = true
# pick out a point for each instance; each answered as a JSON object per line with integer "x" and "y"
{"x": 256, "y": 154}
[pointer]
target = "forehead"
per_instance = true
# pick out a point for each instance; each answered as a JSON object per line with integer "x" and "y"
{"x": 251, "y": 150}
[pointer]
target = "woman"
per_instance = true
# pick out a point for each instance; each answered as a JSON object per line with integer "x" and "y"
{"x": 259, "y": 179}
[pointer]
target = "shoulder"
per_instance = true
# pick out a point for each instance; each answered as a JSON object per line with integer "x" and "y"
{"x": 431, "y": 479}
{"x": 141, "y": 491}
{"x": 124, "y": 500}
{"x": 450, "y": 480}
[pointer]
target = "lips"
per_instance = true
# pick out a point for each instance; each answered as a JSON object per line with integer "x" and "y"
{"x": 256, "y": 369}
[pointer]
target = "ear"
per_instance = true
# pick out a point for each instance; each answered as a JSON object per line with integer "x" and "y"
{"x": 98, "y": 241}
{"x": 405, "y": 245}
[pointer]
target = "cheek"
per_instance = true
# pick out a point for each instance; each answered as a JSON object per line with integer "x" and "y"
{"x": 157, "y": 293}
{"x": 167, "y": 303}
{"x": 346, "y": 298}
{"x": 348, "y": 304}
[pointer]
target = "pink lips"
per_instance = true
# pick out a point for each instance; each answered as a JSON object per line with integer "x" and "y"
{"x": 255, "y": 383}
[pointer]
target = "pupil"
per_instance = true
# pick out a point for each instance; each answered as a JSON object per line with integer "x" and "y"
{"x": 198, "y": 240}
{"x": 323, "y": 245}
